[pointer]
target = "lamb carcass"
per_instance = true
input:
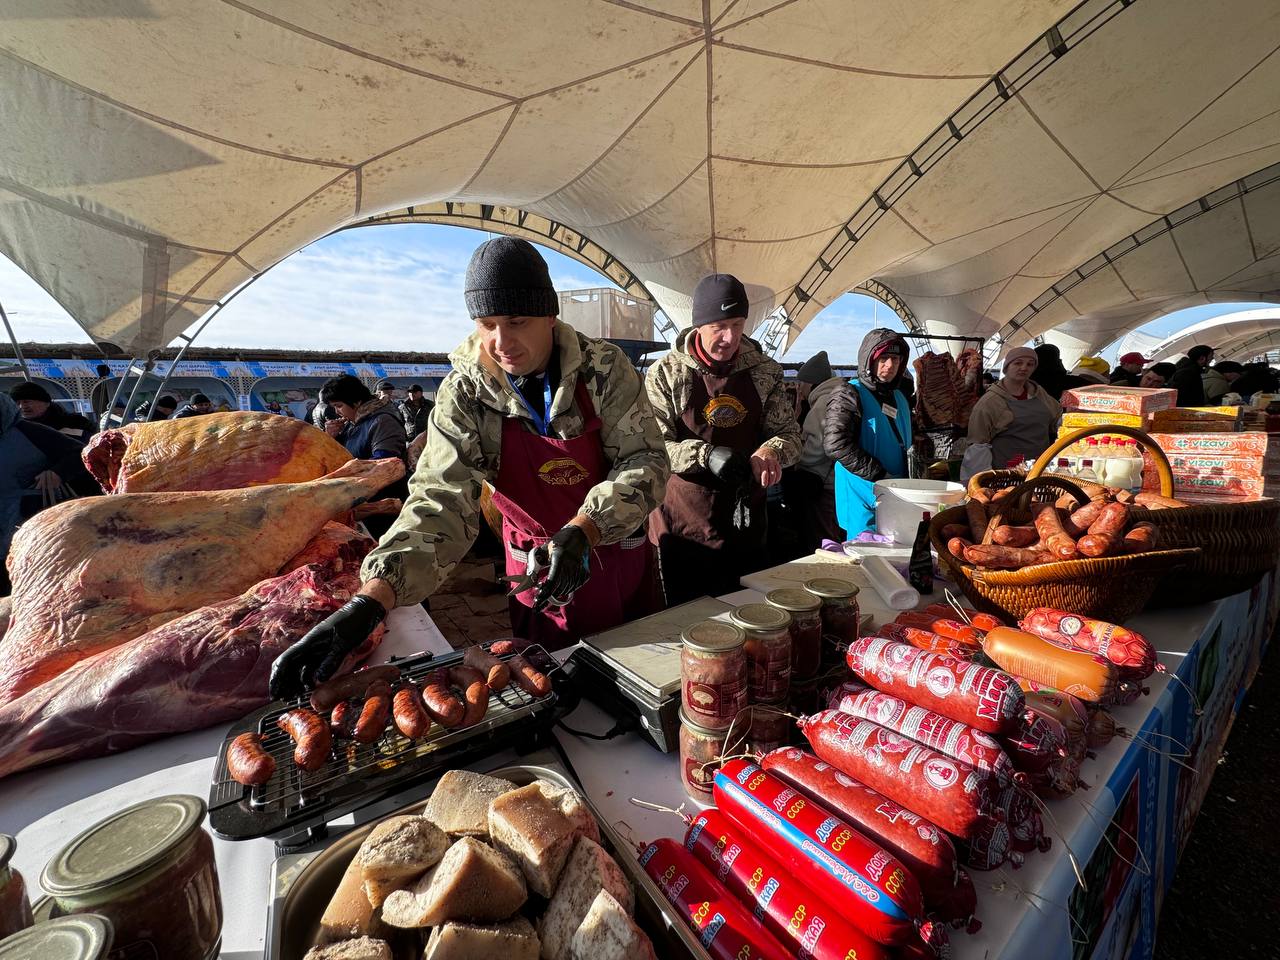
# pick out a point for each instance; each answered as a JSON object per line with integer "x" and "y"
{"x": 218, "y": 451}
{"x": 91, "y": 574}
{"x": 208, "y": 667}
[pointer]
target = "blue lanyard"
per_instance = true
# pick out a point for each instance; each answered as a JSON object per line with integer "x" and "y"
{"x": 540, "y": 420}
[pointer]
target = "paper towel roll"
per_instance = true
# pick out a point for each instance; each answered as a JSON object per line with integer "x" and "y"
{"x": 888, "y": 582}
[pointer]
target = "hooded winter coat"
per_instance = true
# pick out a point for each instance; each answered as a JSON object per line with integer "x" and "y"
{"x": 1187, "y": 380}
{"x": 842, "y": 424}
{"x": 813, "y": 454}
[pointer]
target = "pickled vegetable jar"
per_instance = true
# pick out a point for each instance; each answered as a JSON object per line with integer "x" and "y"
{"x": 805, "y": 611}
{"x": 713, "y": 673}
{"x": 840, "y": 613}
{"x": 768, "y": 647}
{"x": 700, "y": 751}
{"x": 149, "y": 870}
{"x": 15, "y": 907}
{"x": 85, "y": 937}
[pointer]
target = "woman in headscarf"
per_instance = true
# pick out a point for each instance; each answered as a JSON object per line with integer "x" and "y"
{"x": 1017, "y": 417}
{"x": 1050, "y": 374}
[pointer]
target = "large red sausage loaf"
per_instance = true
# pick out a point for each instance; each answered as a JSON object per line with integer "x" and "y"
{"x": 987, "y": 699}
{"x": 723, "y": 925}
{"x": 922, "y": 847}
{"x": 1083, "y": 675}
{"x": 951, "y": 793}
{"x": 787, "y": 908}
{"x": 927, "y": 640}
{"x": 1130, "y": 651}
{"x": 843, "y": 867}
{"x": 955, "y": 739}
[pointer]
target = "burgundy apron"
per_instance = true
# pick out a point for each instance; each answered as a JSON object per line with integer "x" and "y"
{"x": 700, "y": 552}
{"x": 540, "y": 487}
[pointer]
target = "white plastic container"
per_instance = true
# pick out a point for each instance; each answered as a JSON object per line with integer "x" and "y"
{"x": 900, "y": 502}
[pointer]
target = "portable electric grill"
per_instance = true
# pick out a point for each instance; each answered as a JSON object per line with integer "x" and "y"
{"x": 294, "y": 806}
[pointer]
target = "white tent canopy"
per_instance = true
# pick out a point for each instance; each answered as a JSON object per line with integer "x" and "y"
{"x": 964, "y": 156}
{"x": 1233, "y": 336}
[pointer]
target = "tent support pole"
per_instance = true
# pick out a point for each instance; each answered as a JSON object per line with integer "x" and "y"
{"x": 17, "y": 350}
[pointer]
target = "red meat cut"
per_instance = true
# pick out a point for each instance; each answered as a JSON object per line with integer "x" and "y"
{"x": 91, "y": 574}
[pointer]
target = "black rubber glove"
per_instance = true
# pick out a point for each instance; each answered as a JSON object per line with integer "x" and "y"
{"x": 567, "y": 555}
{"x": 318, "y": 655}
{"x": 731, "y": 468}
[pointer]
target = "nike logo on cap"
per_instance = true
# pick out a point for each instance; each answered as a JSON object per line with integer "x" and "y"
{"x": 728, "y": 306}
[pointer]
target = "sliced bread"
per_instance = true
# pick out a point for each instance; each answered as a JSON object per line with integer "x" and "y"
{"x": 459, "y": 805}
{"x": 588, "y": 871}
{"x": 401, "y": 848}
{"x": 572, "y": 806}
{"x": 349, "y": 913}
{"x": 471, "y": 882}
{"x": 513, "y": 940}
{"x": 607, "y": 932}
{"x": 529, "y": 829}
{"x": 364, "y": 948}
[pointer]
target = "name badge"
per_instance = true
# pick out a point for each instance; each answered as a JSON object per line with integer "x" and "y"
{"x": 889, "y": 410}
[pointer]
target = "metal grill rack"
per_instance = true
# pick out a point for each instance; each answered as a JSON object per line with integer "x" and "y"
{"x": 294, "y": 803}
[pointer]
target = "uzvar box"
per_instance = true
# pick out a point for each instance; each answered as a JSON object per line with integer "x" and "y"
{"x": 1252, "y": 444}
{"x": 1135, "y": 401}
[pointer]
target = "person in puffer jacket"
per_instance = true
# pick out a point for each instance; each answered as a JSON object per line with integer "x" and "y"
{"x": 809, "y": 487}
{"x": 867, "y": 429}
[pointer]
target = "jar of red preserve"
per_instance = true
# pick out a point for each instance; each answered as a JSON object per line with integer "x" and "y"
{"x": 805, "y": 611}
{"x": 149, "y": 870}
{"x": 768, "y": 647}
{"x": 15, "y": 907}
{"x": 713, "y": 673}
{"x": 769, "y": 728}
{"x": 82, "y": 937}
{"x": 840, "y": 614}
{"x": 700, "y": 751}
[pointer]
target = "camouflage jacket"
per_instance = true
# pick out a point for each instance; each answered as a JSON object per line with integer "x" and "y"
{"x": 669, "y": 383}
{"x": 439, "y": 521}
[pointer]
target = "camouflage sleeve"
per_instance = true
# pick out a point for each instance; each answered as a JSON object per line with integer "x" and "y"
{"x": 685, "y": 455}
{"x": 780, "y": 429}
{"x": 439, "y": 521}
{"x": 619, "y": 505}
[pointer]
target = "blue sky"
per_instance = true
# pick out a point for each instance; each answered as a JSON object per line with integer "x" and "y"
{"x": 399, "y": 287}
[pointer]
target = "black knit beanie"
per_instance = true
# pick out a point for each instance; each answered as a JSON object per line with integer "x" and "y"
{"x": 719, "y": 296}
{"x": 507, "y": 277}
{"x": 29, "y": 390}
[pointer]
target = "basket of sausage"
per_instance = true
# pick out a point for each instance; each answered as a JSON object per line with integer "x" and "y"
{"x": 1046, "y": 543}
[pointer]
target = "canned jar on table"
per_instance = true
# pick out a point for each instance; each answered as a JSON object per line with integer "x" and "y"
{"x": 15, "y": 906}
{"x": 713, "y": 673}
{"x": 701, "y": 749}
{"x": 768, "y": 647}
{"x": 805, "y": 611}
{"x": 840, "y": 613}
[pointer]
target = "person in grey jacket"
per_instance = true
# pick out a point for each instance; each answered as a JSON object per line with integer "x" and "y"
{"x": 415, "y": 410}
{"x": 808, "y": 488}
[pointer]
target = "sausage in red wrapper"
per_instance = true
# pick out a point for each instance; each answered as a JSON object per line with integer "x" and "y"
{"x": 855, "y": 875}
{"x": 987, "y": 699}
{"x": 990, "y": 847}
{"x": 949, "y": 792}
{"x": 923, "y": 848}
{"x": 1038, "y": 744}
{"x": 1067, "y": 710}
{"x": 724, "y": 926}
{"x": 1129, "y": 650}
{"x": 955, "y": 739}
{"x": 788, "y": 909}
{"x": 927, "y": 640}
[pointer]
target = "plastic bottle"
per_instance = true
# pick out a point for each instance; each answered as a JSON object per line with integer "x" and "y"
{"x": 1135, "y": 458}
{"x": 1086, "y": 471}
{"x": 1102, "y": 461}
{"x": 1065, "y": 466}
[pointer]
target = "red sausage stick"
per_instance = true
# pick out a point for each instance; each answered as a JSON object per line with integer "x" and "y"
{"x": 411, "y": 717}
{"x": 342, "y": 721}
{"x": 475, "y": 693}
{"x": 497, "y": 674}
{"x": 528, "y": 678}
{"x": 441, "y": 702}
{"x": 248, "y": 762}
{"x": 311, "y": 737}
{"x": 374, "y": 714}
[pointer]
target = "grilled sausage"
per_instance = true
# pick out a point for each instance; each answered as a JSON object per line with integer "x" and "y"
{"x": 342, "y": 721}
{"x": 326, "y": 696}
{"x": 410, "y": 716}
{"x": 530, "y": 679}
{"x": 497, "y": 674}
{"x": 375, "y": 713}
{"x": 310, "y": 735}
{"x": 475, "y": 692}
{"x": 441, "y": 702}
{"x": 248, "y": 762}
{"x": 502, "y": 648}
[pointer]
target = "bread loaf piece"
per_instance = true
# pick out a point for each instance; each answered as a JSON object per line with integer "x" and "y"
{"x": 572, "y": 806}
{"x": 588, "y": 871}
{"x": 349, "y": 913}
{"x": 459, "y": 805}
{"x": 608, "y": 933}
{"x": 377, "y": 891}
{"x": 529, "y": 829}
{"x": 513, "y": 940}
{"x": 401, "y": 848}
{"x": 471, "y": 882}
{"x": 365, "y": 948}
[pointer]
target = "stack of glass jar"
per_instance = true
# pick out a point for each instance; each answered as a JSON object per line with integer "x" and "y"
{"x": 713, "y": 681}
{"x": 769, "y": 652}
{"x": 839, "y": 616}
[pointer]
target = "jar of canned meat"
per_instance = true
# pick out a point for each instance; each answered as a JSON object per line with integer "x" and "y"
{"x": 768, "y": 647}
{"x": 805, "y": 611}
{"x": 700, "y": 751}
{"x": 15, "y": 907}
{"x": 84, "y": 937}
{"x": 769, "y": 728}
{"x": 149, "y": 870}
{"x": 713, "y": 673}
{"x": 840, "y": 614}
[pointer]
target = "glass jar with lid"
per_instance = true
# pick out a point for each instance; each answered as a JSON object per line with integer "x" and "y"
{"x": 840, "y": 615}
{"x": 15, "y": 907}
{"x": 700, "y": 751}
{"x": 713, "y": 673}
{"x": 805, "y": 611}
{"x": 768, "y": 647}
{"x": 769, "y": 728}
{"x": 149, "y": 870}
{"x": 86, "y": 937}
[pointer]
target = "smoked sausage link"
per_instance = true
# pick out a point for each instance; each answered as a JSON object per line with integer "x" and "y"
{"x": 311, "y": 737}
{"x": 1056, "y": 539}
{"x": 475, "y": 693}
{"x": 788, "y": 909}
{"x": 1141, "y": 538}
{"x": 1083, "y": 675}
{"x": 1131, "y": 652}
{"x": 529, "y": 678}
{"x": 374, "y": 714}
{"x": 496, "y": 673}
{"x": 327, "y": 696}
{"x": 248, "y": 762}
{"x": 342, "y": 721}
{"x": 839, "y": 864}
{"x": 725, "y": 928}
{"x": 1106, "y": 533}
{"x": 439, "y": 699}
{"x": 1011, "y": 536}
{"x": 410, "y": 716}
{"x": 987, "y": 699}
{"x": 951, "y": 793}
{"x": 1005, "y": 558}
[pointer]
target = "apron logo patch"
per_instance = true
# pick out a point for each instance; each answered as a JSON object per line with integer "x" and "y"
{"x": 724, "y": 411}
{"x": 562, "y": 472}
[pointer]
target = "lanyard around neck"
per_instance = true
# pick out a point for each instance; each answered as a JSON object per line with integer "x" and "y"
{"x": 542, "y": 421}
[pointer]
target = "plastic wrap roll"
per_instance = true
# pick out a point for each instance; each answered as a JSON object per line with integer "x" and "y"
{"x": 888, "y": 582}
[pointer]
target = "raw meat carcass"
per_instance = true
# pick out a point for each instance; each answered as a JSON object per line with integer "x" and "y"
{"x": 91, "y": 574}
{"x": 218, "y": 451}
{"x": 208, "y": 667}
